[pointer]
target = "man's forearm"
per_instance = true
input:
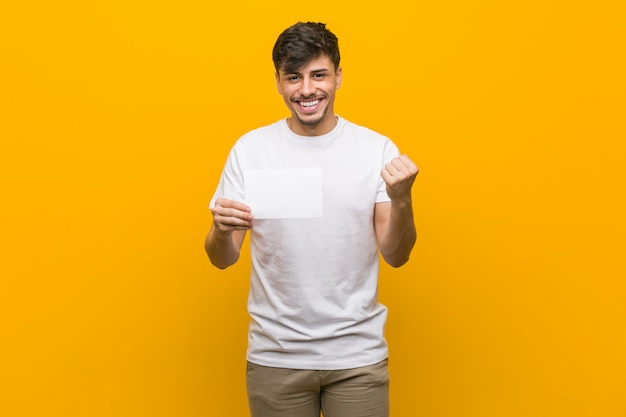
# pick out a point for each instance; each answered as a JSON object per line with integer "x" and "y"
{"x": 222, "y": 249}
{"x": 399, "y": 236}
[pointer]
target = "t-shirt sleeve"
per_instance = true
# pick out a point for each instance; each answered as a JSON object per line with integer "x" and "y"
{"x": 390, "y": 151}
{"x": 231, "y": 185}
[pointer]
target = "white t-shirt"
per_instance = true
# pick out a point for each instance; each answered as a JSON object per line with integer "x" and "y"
{"x": 314, "y": 283}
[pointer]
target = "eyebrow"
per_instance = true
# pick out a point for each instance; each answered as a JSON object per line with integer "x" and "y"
{"x": 315, "y": 71}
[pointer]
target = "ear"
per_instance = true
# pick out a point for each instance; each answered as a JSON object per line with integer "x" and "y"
{"x": 339, "y": 77}
{"x": 277, "y": 75}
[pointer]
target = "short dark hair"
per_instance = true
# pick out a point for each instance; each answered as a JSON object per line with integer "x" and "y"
{"x": 300, "y": 43}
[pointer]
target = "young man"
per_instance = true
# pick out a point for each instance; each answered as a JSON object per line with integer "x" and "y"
{"x": 316, "y": 331}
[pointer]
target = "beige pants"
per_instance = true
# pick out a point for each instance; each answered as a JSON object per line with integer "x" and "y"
{"x": 279, "y": 392}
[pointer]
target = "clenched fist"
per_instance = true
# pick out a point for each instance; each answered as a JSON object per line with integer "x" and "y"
{"x": 399, "y": 175}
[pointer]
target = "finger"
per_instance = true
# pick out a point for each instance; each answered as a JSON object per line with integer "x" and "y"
{"x": 232, "y": 216}
{"x": 232, "y": 212}
{"x": 224, "y": 202}
{"x": 402, "y": 166}
{"x": 387, "y": 176}
{"x": 232, "y": 222}
{"x": 409, "y": 164}
{"x": 393, "y": 167}
{"x": 396, "y": 168}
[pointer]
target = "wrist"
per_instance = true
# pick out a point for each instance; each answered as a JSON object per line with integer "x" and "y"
{"x": 220, "y": 234}
{"x": 402, "y": 202}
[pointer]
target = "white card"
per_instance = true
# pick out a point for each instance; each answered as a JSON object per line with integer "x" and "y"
{"x": 284, "y": 193}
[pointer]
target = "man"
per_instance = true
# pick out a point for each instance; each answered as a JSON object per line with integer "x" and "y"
{"x": 316, "y": 331}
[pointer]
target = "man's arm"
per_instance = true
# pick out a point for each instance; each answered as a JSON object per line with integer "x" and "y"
{"x": 393, "y": 221}
{"x": 231, "y": 220}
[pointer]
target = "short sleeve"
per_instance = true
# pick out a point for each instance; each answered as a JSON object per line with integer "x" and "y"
{"x": 231, "y": 185}
{"x": 390, "y": 151}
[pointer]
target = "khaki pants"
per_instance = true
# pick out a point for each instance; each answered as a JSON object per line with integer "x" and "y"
{"x": 279, "y": 392}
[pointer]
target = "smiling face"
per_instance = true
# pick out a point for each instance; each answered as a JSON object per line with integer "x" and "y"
{"x": 309, "y": 93}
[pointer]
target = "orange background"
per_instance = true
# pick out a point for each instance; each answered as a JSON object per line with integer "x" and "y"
{"x": 115, "y": 121}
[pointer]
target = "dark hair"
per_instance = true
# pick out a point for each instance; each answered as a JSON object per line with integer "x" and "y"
{"x": 300, "y": 43}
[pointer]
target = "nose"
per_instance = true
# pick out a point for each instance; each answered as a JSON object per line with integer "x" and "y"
{"x": 307, "y": 88}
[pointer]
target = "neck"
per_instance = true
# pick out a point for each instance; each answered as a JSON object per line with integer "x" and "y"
{"x": 318, "y": 129}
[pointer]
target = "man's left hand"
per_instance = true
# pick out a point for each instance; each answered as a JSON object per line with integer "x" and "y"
{"x": 399, "y": 175}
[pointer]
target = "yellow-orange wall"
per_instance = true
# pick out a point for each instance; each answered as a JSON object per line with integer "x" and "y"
{"x": 115, "y": 120}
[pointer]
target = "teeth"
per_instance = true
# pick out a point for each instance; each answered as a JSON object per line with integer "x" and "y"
{"x": 309, "y": 103}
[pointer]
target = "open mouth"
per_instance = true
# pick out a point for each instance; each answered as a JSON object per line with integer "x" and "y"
{"x": 309, "y": 105}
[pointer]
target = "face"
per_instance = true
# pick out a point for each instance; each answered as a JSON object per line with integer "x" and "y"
{"x": 309, "y": 93}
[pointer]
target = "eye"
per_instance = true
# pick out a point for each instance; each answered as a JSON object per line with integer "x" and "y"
{"x": 319, "y": 75}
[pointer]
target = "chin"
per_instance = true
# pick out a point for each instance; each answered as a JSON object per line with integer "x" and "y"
{"x": 311, "y": 120}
